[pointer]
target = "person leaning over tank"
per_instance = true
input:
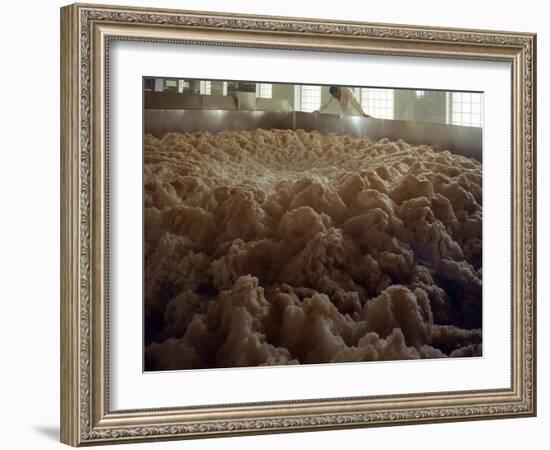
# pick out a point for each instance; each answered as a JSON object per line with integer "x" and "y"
{"x": 346, "y": 99}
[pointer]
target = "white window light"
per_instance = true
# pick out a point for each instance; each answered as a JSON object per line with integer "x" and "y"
{"x": 466, "y": 109}
{"x": 170, "y": 85}
{"x": 205, "y": 87}
{"x": 378, "y": 102}
{"x": 310, "y": 98}
{"x": 264, "y": 90}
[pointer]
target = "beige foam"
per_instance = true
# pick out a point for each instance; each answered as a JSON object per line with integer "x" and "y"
{"x": 287, "y": 247}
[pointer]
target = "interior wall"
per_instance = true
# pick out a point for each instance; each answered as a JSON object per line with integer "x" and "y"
{"x": 216, "y": 87}
{"x": 159, "y": 84}
{"x": 431, "y": 107}
{"x": 284, "y": 92}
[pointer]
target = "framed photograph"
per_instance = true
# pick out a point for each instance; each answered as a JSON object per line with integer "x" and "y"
{"x": 275, "y": 224}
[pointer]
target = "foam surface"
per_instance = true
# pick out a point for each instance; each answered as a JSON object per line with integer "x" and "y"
{"x": 288, "y": 247}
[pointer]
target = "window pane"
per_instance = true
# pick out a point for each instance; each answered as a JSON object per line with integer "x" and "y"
{"x": 311, "y": 98}
{"x": 466, "y": 109}
{"x": 378, "y": 102}
{"x": 206, "y": 87}
{"x": 264, "y": 90}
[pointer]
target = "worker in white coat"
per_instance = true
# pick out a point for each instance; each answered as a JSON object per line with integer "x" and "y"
{"x": 349, "y": 105}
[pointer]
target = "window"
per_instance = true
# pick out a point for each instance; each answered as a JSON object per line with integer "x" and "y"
{"x": 264, "y": 90}
{"x": 205, "y": 87}
{"x": 466, "y": 109}
{"x": 377, "y": 102}
{"x": 170, "y": 85}
{"x": 419, "y": 93}
{"x": 183, "y": 86}
{"x": 310, "y": 98}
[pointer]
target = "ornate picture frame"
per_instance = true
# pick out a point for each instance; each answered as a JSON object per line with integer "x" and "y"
{"x": 87, "y": 31}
